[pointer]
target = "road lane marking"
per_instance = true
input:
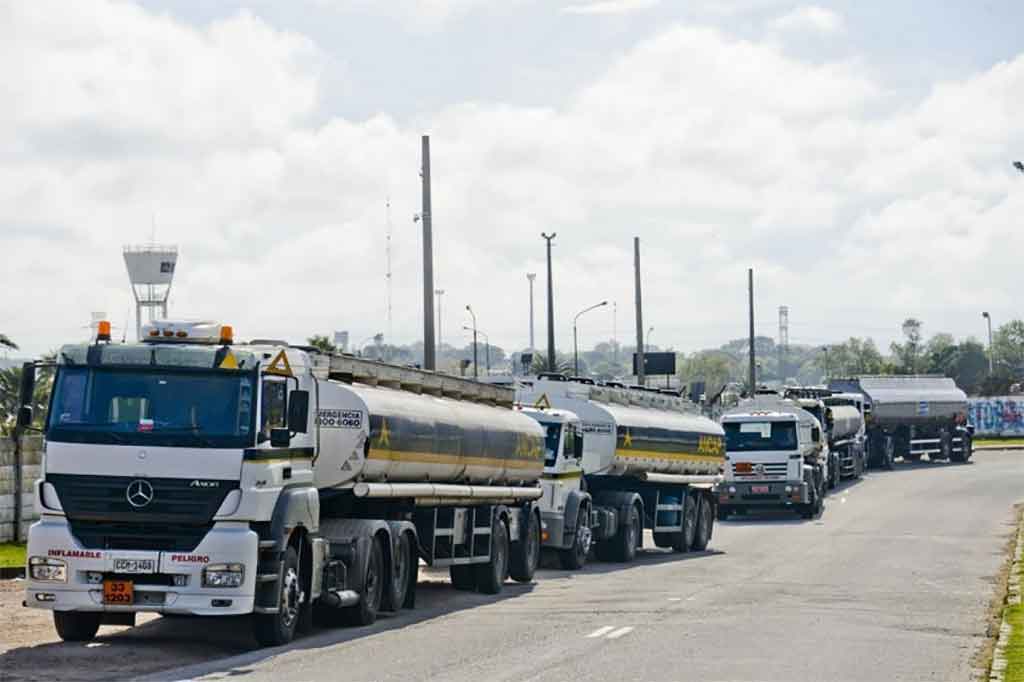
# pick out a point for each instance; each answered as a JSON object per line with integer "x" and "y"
{"x": 600, "y": 632}
{"x": 620, "y": 632}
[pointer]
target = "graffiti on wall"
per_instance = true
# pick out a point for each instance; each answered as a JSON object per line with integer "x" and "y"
{"x": 999, "y": 416}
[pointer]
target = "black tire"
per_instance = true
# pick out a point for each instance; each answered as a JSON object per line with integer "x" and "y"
{"x": 626, "y": 540}
{"x": 275, "y": 629}
{"x": 76, "y": 626}
{"x": 833, "y": 473}
{"x": 463, "y": 577}
{"x": 403, "y": 565}
{"x": 946, "y": 447}
{"x": 574, "y": 558}
{"x": 525, "y": 555}
{"x": 490, "y": 577}
{"x": 684, "y": 540}
{"x": 705, "y": 525}
{"x": 365, "y": 612}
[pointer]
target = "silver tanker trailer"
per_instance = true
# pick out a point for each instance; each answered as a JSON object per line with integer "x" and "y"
{"x": 912, "y": 416}
{"x": 647, "y": 460}
{"x": 842, "y": 417}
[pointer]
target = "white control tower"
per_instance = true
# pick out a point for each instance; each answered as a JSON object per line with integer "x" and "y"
{"x": 150, "y": 271}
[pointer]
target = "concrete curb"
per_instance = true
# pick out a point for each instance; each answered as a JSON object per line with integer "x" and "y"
{"x": 1013, "y": 597}
{"x": 998, "y": 447}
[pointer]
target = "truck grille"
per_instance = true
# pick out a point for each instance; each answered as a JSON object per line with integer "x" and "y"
{"x": 770, "y": 470}
{"x": 101, "y": 517}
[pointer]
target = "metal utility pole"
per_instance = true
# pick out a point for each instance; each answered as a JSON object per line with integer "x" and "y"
{"x": 639, "y": 314}
{"x": 615, "y": 332}
{"x": 990, "y": 363}
{"x": 531, "y": 276}
{"x": 440, "y": 293}
{"x": 824, "y": 349}
{"x": 753, "y": 366}
{"x": 429, "y": 353}
{"x": 476, "y": 372}
{"x": 551, "y": 305}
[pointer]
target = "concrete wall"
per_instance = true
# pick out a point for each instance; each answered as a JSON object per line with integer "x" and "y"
{"x": 997, "y": 416}
{"x": 31, "y": 455}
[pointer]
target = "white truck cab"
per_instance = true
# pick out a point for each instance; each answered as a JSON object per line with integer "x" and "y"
{"x": 774, "y": 458}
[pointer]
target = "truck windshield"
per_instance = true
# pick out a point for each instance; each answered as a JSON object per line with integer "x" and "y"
{"x": 552, "y": 434}
{"x": 156, "y": 407}
{"x": 766, "y": 435}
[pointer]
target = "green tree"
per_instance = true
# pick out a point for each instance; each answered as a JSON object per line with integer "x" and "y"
{"x": 714, "y": 368}
{"x": 940, "y": 354}
{"x": 322, "y": 343}
{"x": 908, "y": 354}
{"x": 10, "y": 390}
{"x": 563, "y": 364}
{"x": 1008, "y": 347}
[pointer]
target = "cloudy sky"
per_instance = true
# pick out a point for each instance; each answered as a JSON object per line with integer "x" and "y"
{"x": 856, "y": 153}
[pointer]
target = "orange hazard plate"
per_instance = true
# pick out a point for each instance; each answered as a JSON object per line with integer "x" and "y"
{"x": 118, "y": 592}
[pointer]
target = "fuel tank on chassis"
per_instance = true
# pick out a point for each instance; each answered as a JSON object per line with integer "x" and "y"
{"x": 380, "y": 434}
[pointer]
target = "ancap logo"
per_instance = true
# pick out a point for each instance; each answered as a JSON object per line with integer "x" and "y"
{"x": 139, "y": 493}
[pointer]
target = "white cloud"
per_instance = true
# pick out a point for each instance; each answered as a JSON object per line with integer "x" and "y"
{"x": 610, "y": 6}
{"x": 719, "y": 153}
{"x": 810, "y": 18}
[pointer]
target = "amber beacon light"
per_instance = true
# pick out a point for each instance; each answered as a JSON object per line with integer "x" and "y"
{"x": 103, "y": 331}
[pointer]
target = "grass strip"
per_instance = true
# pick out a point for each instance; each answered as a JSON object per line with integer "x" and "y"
{"x": 11, "y": 555}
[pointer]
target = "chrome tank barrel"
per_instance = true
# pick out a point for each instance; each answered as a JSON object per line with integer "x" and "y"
{"x": 422, "y": 438}
{"x": 846, "y": 421}
{"x": 650, "y": 441}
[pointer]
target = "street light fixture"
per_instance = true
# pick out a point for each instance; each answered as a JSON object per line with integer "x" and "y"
{"x": 1019, "y": 166}
{"x": 487, "y": 347}
{"x": 575, "y": 344}
{"x": 473, "y": 315}
{"x": 649, "y": 344}
{"x": 989, "y": 319}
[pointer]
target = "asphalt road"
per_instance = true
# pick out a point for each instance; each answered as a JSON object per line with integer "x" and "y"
{"x": 892, "y": 583}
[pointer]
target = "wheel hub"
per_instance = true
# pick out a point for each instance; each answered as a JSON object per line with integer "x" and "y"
{"x": 291, "y": 597}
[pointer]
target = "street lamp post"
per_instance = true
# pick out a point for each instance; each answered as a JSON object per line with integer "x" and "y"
{"x": 487, "y": 348}
{"x": 575, "y": 342}
{"x": 990, "y": 362}
{"x": 551, "y": 305}
{"x": 473, "y": 315}
{"x": 649, "y": 344}
{"x": 825, "y": 350}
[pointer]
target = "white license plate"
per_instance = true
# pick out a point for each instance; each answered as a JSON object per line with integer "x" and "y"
{"x": 134, "y": 565}
{"x": 759, "y": 489}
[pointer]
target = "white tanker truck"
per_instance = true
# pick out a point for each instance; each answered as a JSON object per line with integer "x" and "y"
{"x": 645, "y": 462}
{"x": 189, "y": 475}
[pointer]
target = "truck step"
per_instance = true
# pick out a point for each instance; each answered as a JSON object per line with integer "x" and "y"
{"x": 265, "y": 609}
{"x": 266, "y": 577}
{"x": 268, "y": 544}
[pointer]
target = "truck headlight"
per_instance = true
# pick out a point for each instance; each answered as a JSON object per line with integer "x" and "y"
{"x": 48, "y": 570}
{"x": 223, "y": 575}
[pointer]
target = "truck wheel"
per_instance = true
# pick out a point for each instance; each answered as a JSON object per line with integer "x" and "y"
{"x": 575, "y": 557}
{"x": 833, "y": 473}
{"x": 463, "y": 577}
{"x": 491, "y": 576}
{"x": 682, "y": 542}
{"x": 365, "y": 612}
{"x": 76, "y": 626}
{"x": 403, "y": 563}
{"x": 275, "y": 629}
{"x": 705, "y": 523}
{"x": 626, "y": 540}
{"x": 526, "y": 552}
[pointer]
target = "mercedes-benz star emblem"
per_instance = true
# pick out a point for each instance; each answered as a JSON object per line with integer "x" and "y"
{"x": 139, "y": 493}
{"x": 759, "y": 469}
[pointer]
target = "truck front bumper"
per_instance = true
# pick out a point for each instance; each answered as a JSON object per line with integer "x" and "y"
{"x": 175, "y": 587}
{"x": 762, "y": 493}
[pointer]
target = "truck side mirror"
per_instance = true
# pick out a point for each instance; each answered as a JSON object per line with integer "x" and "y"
{"x": 298, "y": 411}
{"x": 815, "y": 434}
{"x": 280, "y": 438}
{"x": 578, "y": 446}
{"x": 28, "y": 384}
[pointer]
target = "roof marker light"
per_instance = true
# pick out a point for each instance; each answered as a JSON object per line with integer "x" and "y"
{"x": 103, "y": 331}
